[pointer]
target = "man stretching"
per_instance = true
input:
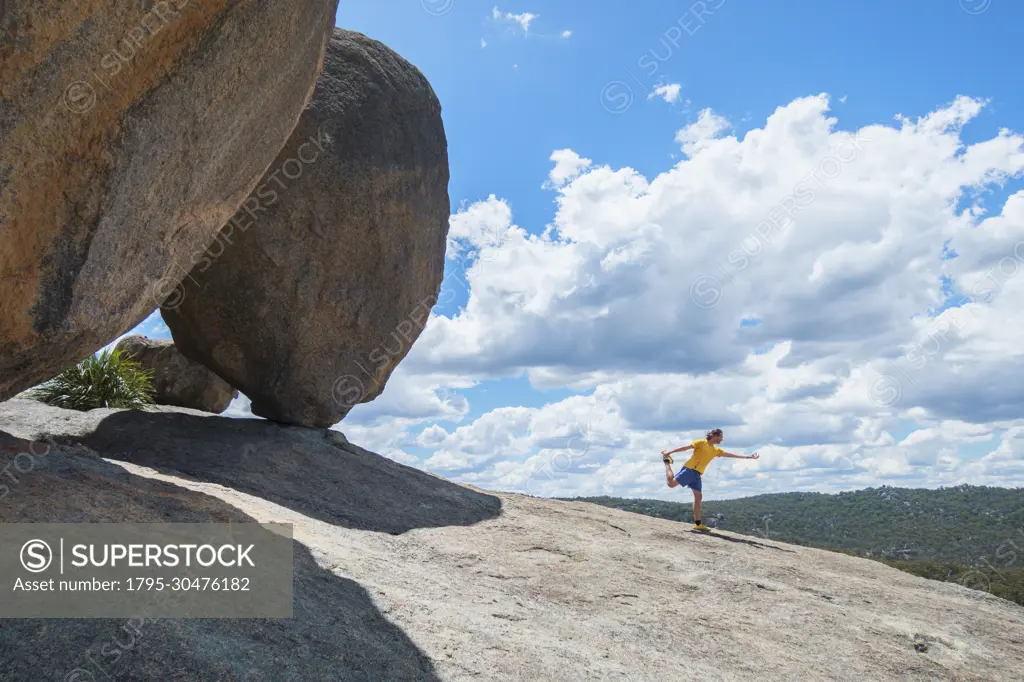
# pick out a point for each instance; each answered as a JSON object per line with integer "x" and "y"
{"x": 704, "y": 451}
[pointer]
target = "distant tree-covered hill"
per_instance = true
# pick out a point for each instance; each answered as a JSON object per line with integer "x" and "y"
{"x": 963, "y": 524}
{"x": 968, "y": 534}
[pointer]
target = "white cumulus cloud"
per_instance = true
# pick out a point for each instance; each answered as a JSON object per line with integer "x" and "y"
{"x": 784, "y": 285}
{"x": 523, "y": 19}
{"x": 668, "y": 92}
{"x": 706, "y": 128}
{"x": 568, "y": 165}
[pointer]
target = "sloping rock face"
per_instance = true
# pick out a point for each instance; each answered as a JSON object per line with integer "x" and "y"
{"x": 129, "y": 132}
{"x": 337, "y": 632}
{"x": 326, "y": 276}
{"x": 176, "y": 379}
{"x": 400, "y": 575}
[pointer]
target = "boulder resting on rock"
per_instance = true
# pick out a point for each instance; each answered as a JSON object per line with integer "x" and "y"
{"x": 129, "y": 132}
{"x": 177, "y": 380}
{"x": 327, "y": 274}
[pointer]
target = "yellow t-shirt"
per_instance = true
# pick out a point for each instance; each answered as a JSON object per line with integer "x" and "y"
{"x": 703, "y": 453}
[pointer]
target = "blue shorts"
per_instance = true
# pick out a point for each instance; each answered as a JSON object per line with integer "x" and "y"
{"x": 689, "y": 477}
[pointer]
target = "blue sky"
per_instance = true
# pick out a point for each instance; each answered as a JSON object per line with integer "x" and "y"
{"x": 527, "y": 93}
{"x": 746, "y": 59}
{"x": 632, "y": 327}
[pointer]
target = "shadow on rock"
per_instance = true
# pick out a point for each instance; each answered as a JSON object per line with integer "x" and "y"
{"x": 312, "y": 471}
{"x": 752, "y": 543}
{"x": 337, "y": 633}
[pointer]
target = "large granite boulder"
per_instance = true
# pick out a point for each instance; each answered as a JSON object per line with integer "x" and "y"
{"x": 177, "y": 380}
{"x": 326, "y": 276}
{"x": 129, "y": 133}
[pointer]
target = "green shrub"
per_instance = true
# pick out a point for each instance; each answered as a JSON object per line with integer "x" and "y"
{"x": 108, "y": 379}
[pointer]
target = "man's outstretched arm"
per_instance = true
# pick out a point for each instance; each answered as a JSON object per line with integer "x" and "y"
{"x": 682, "y": 449}
{"x": 734, "y": 456}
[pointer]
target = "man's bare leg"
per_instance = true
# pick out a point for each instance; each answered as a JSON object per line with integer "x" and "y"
{"x": 697, "y": 497}
{"x": 672, "y": 482}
